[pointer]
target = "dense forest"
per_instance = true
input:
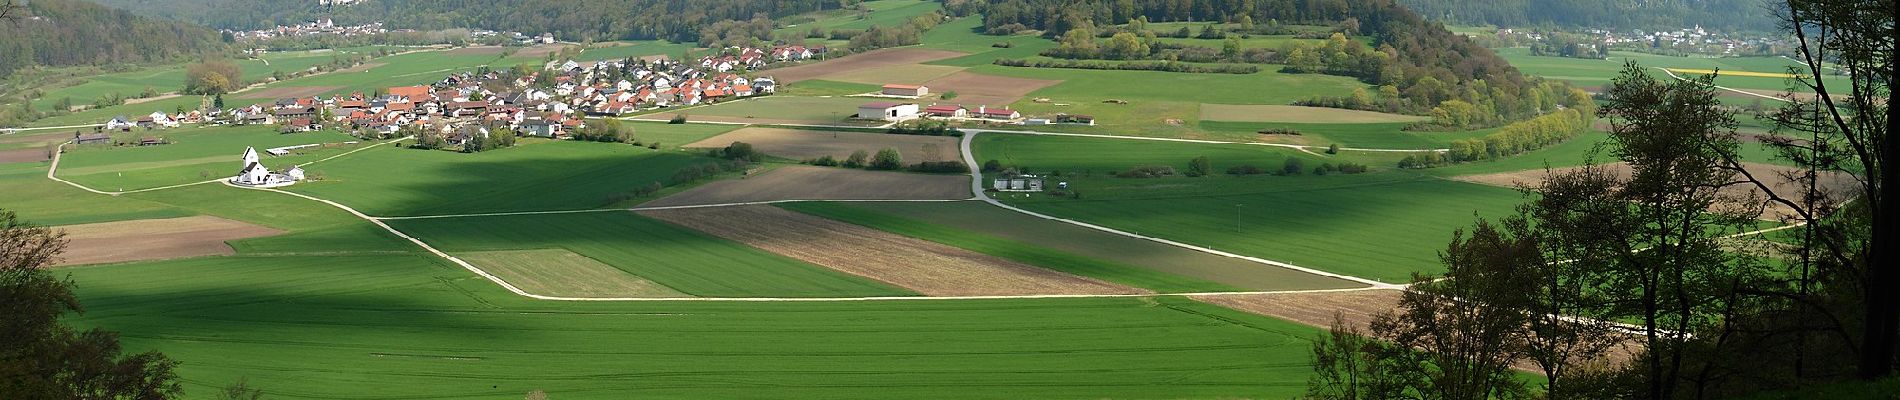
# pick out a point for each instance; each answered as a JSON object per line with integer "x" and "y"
{"x": 1726, "y": 15}
{"x": 1418, "y": 64}
{"x": 74, "y": 32}
{"x": 677, "y": 20}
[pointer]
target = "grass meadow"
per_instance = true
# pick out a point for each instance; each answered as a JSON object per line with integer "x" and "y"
{"x": 1592, "y": 73}
{"x": 1390, "y": 135}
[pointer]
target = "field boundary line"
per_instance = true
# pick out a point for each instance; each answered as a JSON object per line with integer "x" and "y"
{"x": 1672, "y": 74}
{"x": 976, "y": 188}
{"x": 659, "y": 208}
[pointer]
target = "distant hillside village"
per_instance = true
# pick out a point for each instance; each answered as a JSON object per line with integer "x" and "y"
{"x": 549, "y": 102}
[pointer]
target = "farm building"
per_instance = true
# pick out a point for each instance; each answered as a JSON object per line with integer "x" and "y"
{"x": 947, "y": 111}
{"x": 1002, "y": 114}
{"x": 887, "y": 111}
{"x": 95, "y": 138}
{"x": 120, "y": 123}
{"x": 1020, "y": 183}
{"x": 906, "y": 90}
{"x": 254, "y": 173}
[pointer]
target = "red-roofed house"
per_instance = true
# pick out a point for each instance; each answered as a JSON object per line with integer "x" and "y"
{"x": 947, "y": 111}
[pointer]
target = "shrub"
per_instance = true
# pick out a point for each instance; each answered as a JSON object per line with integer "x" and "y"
{"x": 740, "y": 151}
{"x": 1248, "y": 169}
{"x": 940, "y": 167}
{"x": 992, "y": 166}
{"x": 826, "y": 161}
{"x": 951, "y": 94}
{"x": 1332, "y": 149}
{"x": 887, "y": 159}
{"x": 1199, "y": 166}
{"x": 677, "y": 119}
{"x": 1147, "y": 171}
{"x": 856, "y": 160}
{"x": 1293, "y": 166}
{"x": 1278, "y": 131}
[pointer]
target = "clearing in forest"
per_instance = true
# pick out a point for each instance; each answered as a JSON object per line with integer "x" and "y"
{"x": 822, "y": 183}
{"x": 155, "y": 239}
{"x": 559, "y": 272}
{"x": 925, "y": 267}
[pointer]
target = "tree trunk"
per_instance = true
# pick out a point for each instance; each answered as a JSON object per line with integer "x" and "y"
{"x": 1883, "y": 298}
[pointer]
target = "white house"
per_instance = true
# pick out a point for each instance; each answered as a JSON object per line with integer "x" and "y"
{"x": 887, "y": 111}
{"x": 120, "y": 123}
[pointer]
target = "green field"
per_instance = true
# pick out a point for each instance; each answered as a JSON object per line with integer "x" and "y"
{"x": 410, "y": 327}
{"x": 775, "y": 109}
{"x": 24, "y": 189}
{"x": 1591, "y": 73}
{"x": 1135, "y": 262}
{"x": 883, "y": 13}
{"x": 674, "y": 135}
{"x": 196, "y": 154}
{"x": 537, "y": 175}
{"x": 1154, "y": 97}
{"x": 820, "y": 87}
{"x": 682, "y": 259}
{"x": 170, "y": 78}
{"x": 1391, "y": 135}
{"x": 1381, "y": 225}
{"x": 964, "y": 35}
{"x": 629, "y": 49}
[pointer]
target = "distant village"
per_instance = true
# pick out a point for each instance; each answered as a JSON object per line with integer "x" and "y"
{"x": 1691, "y": 40}
{"x": 545, "y": 103}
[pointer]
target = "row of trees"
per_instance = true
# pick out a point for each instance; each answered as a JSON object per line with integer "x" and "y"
{"x": 1522, "y": 136}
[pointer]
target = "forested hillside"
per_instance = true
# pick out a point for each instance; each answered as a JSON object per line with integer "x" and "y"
{"x": 1750, "y": 15}
{"x": 75, "y": 32}
{"x": 678, "y": 20}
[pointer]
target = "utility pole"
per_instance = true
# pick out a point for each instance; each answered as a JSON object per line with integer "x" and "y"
{"x": 1237, "y": 217}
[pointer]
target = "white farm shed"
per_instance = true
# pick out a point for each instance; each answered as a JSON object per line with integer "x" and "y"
{"x": 887, "y": 111}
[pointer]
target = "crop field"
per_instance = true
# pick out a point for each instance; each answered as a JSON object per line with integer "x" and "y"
{"x": 869, "y": 60}
{"x": 534, "y": 176}
{"x": 803, "y": 144}
{"x": 674, "y": 135}
{"x": 407, "y": 326}
{"x": 196, "y": 154}
{"x": 1069, "y": 248}
{"x": 676, "y": 257}
{"x": 1734, "y": 197}
{"x": 558, "y": 272}
{"x": 154, "y": 239}
{"x": 1163, "y": 104}
{"x": 1382, "y": 225}
{"x": 1301, "y": 114}
{"x": 913, "y": 74}
{"x": 822, "y": 183}
{"x": 775, "y": 110}
{"x": 1763, "y": 73}
{"x": 928, "y": 268}
{"x": 991, "y": 90}
{"x": 1269, "y": 42}
{"x": 821, "y": 88}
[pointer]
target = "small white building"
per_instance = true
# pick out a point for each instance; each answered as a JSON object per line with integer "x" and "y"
{"x": 255, "y": 174}
{"x": 884, "y": 111}
{"x": 1020, "y": 183}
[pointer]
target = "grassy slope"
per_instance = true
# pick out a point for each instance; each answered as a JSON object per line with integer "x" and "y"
{"x": 24, "y": 189}
{"x": 1598, "y": 72}
{"x": 1371, "y": 135}
{"x": 1382, "y": 225}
